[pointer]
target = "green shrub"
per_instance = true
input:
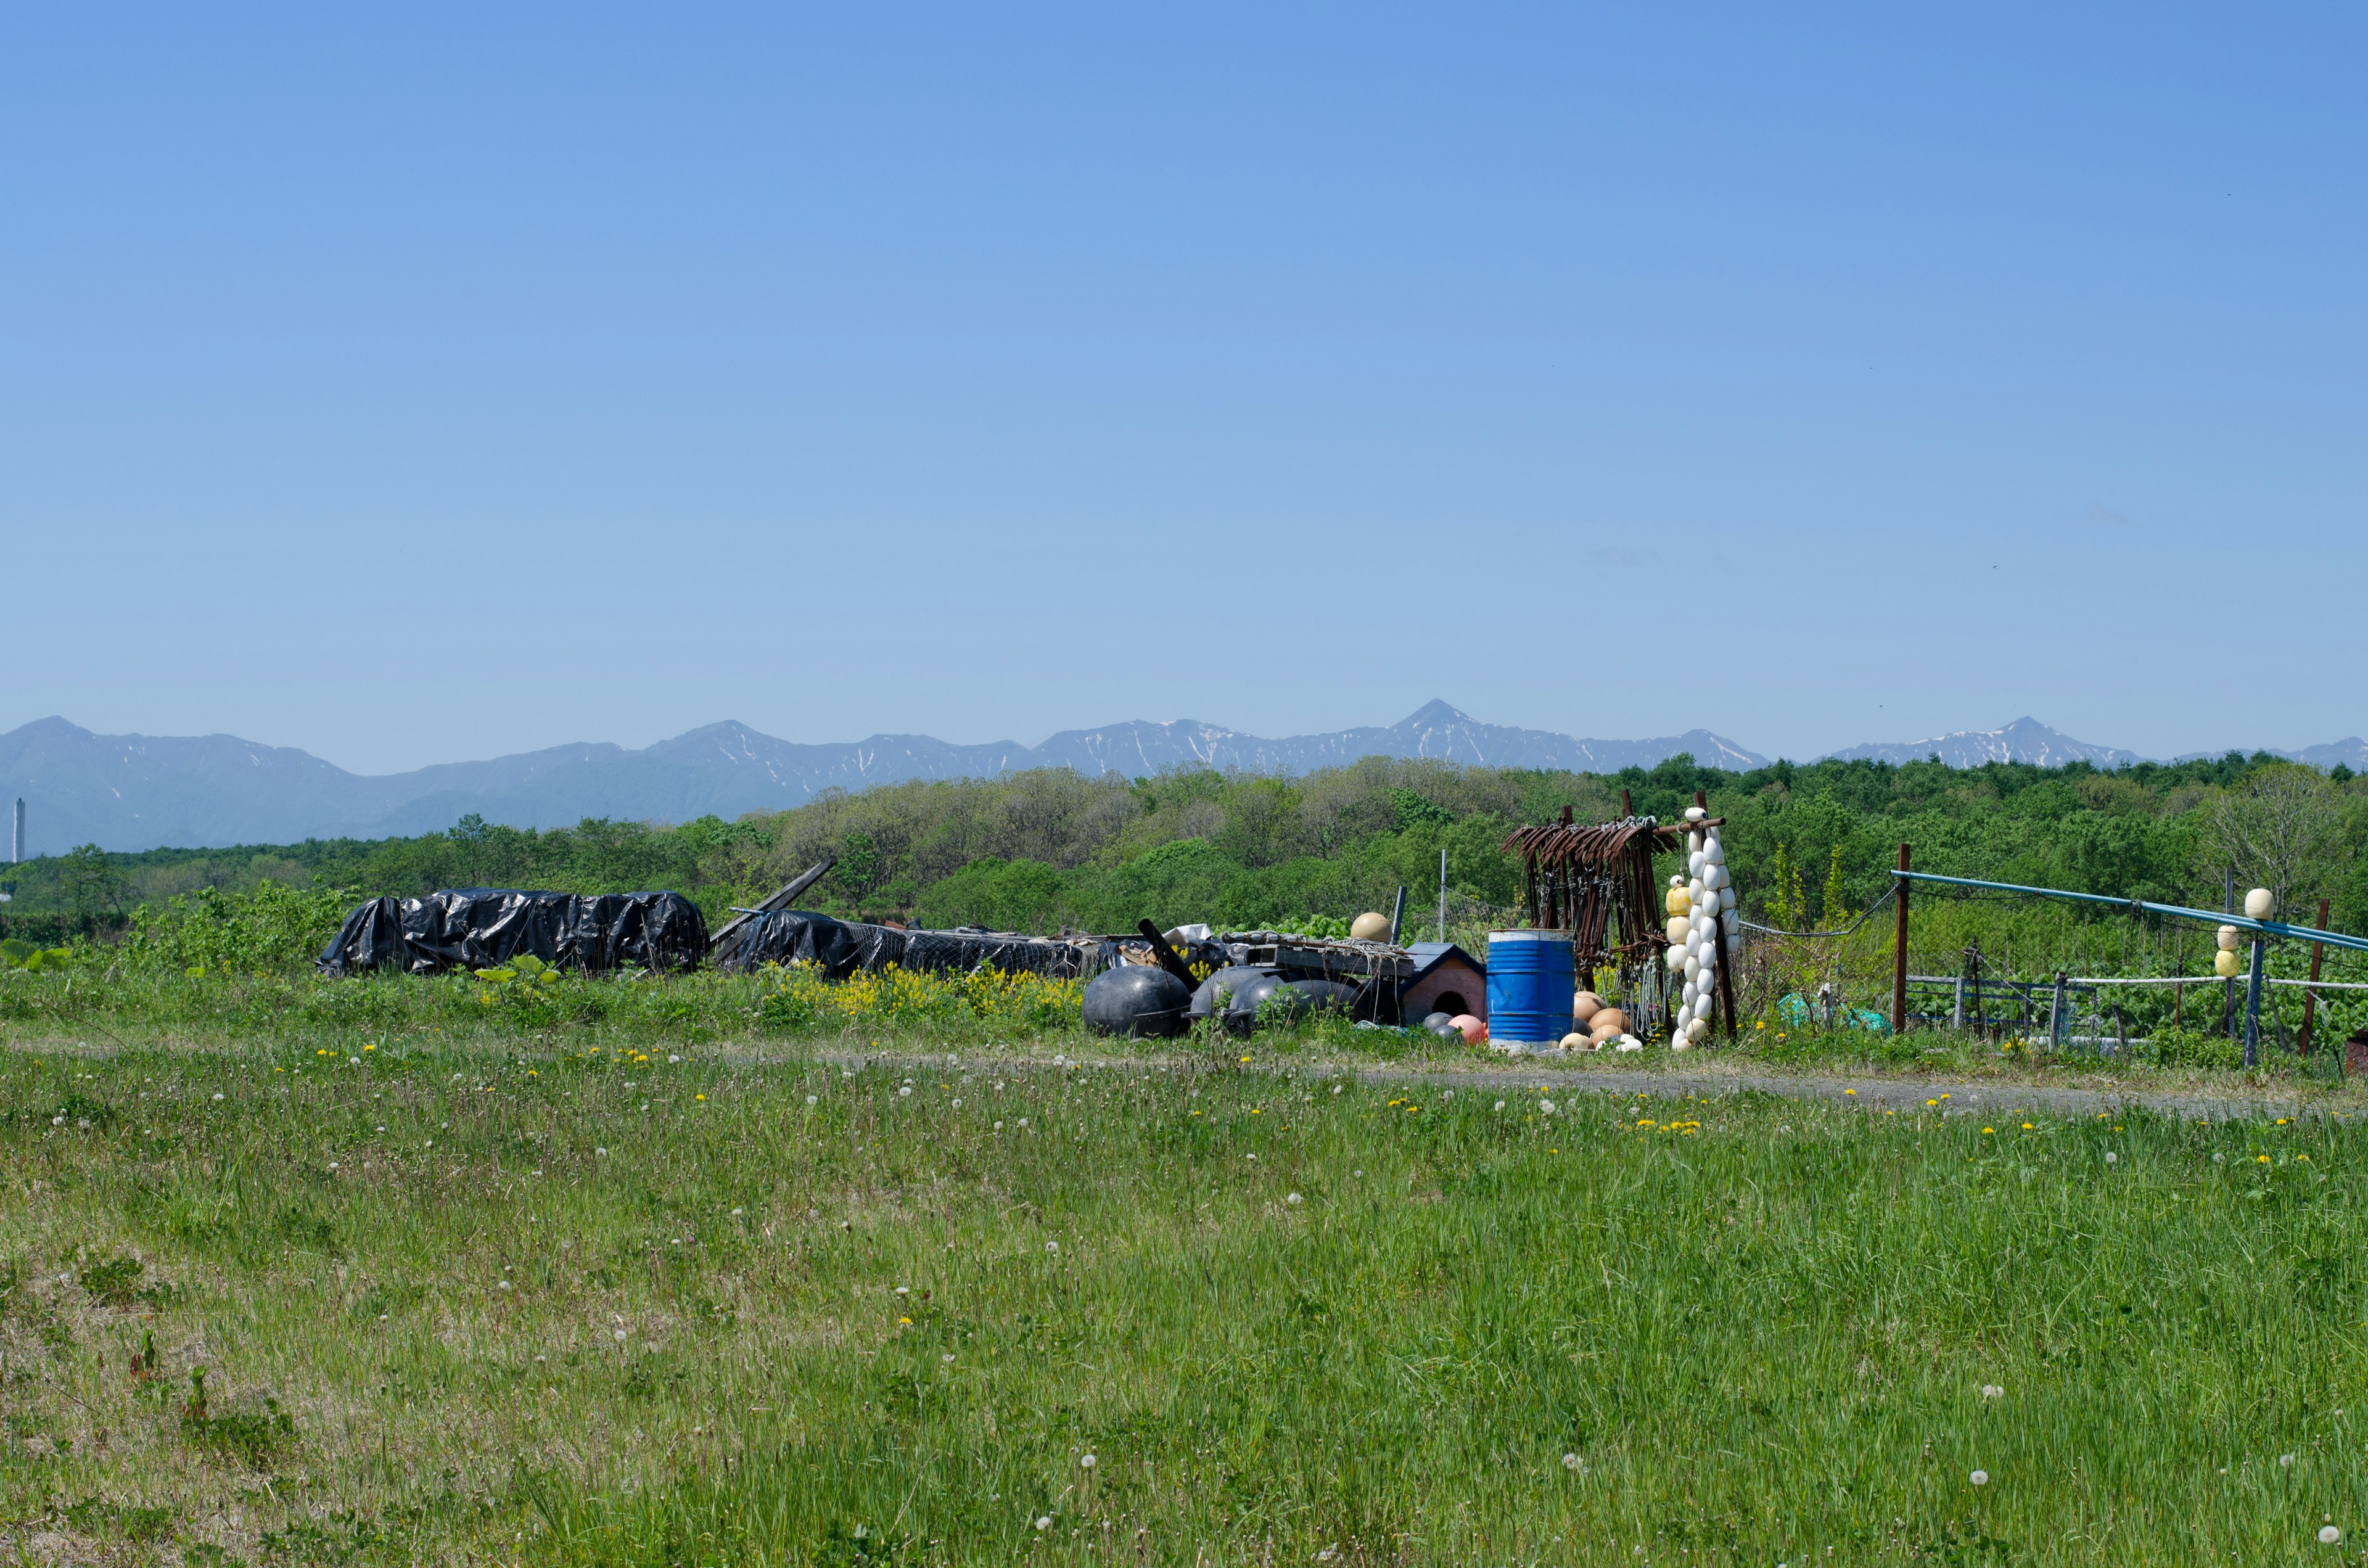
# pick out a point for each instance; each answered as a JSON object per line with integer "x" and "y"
{"x": 272, "y": 930}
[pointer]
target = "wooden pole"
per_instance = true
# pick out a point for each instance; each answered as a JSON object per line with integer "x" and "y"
{"x": 1899, "y": 956}
{"x": 779, "y": 901}
{"x": 2310, "y": 998}
{"x": 1725, "y": 960}
{"x": 1625, "y": 809}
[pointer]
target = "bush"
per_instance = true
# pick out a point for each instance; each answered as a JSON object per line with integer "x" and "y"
{"x": 272, "y": 929}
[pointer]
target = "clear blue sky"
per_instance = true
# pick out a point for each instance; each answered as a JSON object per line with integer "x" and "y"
{"x": 437, "y": 384}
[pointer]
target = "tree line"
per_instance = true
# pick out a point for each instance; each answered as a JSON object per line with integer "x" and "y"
{"x": 1045, "y": 850}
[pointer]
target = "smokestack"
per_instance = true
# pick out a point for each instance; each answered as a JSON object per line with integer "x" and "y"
{"x": 17, "y": 844}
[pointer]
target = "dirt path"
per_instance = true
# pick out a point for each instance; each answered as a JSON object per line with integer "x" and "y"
{"x": 1591, "y": 1075}
{"x": 1957, "y": 1097}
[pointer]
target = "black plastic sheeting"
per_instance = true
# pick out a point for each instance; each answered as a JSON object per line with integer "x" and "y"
{"x": 485, "y": 927}
{"x": 840, "y": 948}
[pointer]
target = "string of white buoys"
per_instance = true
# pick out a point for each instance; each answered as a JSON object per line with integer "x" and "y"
{"x": 1704, "y": 930}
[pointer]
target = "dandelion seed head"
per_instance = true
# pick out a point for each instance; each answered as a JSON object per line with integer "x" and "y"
{"x": 1570, "y": 1462}
{"x": 1043, "y": 1521}
{"x": 1980, "y": 1478}
{"x": 2329, "y": 1535}
{"x": 1051, "y": 1247}
{"x": 1294, "y": 1198}
{"x": 1991, "y": 1391}
{"x": 1086, "y": 1463}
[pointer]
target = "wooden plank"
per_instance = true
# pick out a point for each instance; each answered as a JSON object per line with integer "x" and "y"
{"x": 782, "y": 900}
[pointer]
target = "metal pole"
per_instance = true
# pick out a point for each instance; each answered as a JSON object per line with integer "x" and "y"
{"x": 1899, "y": 958}
{"x": 16, "y": 840}
{"x": 1443, "y": 892}
{"x": 2310, "y": 998}
{"x": 1957, "y": 1012}
{"x": 2253, "y": 1008}
{"x": 2056, "y": 1021}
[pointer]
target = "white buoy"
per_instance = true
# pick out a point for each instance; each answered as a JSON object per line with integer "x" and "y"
{"x": 1693, "y": 967}
{"x": 1695, "y": 862}
{"x": 2229, "y": 937}
{"x": 1677, "y": 960}
{"x": 2258, "y": 905}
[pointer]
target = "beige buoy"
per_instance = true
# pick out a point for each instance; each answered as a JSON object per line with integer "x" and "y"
{"x": 2258, "y": 905}
{"x": 1680, "y": 904}
{"x": 2229, "y": 938}
{"x": 2226, "y": 965}
{"x": 1608, "y": 1020}
{"x": 1576, "y": 1042}
{"x": 1677, "y": 929}
{"x": 1370, "y": 927}
{"x": 1585, "y": 1005}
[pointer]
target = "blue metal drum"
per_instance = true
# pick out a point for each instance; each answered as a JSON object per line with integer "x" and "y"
{"x": 1531, "y": 985}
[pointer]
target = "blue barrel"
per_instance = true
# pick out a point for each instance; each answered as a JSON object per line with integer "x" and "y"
{"x": 1529, "y": 987}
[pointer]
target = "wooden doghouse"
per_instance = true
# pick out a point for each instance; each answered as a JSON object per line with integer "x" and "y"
{"x": 1446, "y": 980}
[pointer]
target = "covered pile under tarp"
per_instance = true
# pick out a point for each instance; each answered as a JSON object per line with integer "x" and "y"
{"x": 483, "y": 927}
{"x": 842, "y": 947}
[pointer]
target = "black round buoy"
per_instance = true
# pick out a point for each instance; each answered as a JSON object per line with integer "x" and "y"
{"x": 1230, "y": 981}
{"x": 1443, "y": 1024}
{"x": 1270, "y": 993}
{"x": 1327, "y": 995}
{"x": 1136, "y": 999}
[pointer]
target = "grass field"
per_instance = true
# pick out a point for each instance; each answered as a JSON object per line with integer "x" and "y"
{"x": 463, "y": 1305}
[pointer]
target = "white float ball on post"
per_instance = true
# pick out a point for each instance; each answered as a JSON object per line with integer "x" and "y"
{"x": 2229, "y": 937}
{"x": 2258, "y": 905}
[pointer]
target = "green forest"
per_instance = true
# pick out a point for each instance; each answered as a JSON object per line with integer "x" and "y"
{"x": 1042, "y": 851}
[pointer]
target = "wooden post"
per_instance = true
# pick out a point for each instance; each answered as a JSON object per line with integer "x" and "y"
{"x": 1625, "y": 809}
{"x": 1725, "y": 960}
{"x": 2229, "y": 991}
{"x": 1899, "y": 956}
{"x": 2310, "y": 998}
{"x": 2253, "y": 1007}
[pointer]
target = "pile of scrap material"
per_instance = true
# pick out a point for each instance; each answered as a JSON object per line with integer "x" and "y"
{"x": 485, "y": 927}
{"x": 841, "y": 947}
{"x": 1582, "y": 879}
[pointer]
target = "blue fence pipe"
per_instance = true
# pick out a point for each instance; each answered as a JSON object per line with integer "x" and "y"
{"x": 2177, "y": 912}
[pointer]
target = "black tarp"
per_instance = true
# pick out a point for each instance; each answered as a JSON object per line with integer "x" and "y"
{"x": 483, "y": 927}
{"x": 842, "y": 947}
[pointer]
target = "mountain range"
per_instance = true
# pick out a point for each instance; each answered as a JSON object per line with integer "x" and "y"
{"x": 130, "y": 792}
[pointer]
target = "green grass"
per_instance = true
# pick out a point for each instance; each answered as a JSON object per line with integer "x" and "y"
{"x": 760, "y": 1329}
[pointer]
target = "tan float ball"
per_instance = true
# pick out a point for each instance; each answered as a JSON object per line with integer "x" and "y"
{"x": 1585, "y": 1005}
{"x": 1610, "y": 1020}
{"x": 2258, "y": 905}
{"x": 1677, "y": 929}
{"x": 1577, "y": 1042}
{"x": 2229, "y": 936}
{"x": 2227, "y": 965}
{"x": 1371, "y": 927}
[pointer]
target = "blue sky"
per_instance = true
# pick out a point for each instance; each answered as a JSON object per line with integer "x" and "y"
{"x": 435, "y": 384}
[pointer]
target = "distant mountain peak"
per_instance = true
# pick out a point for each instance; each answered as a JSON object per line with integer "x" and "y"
{"x": 2023, "y": 740}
